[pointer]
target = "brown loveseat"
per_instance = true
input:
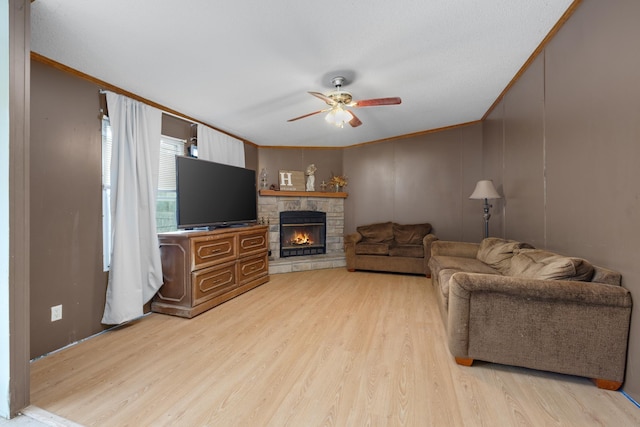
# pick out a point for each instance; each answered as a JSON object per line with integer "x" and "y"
{"x": 390, "y": 247}
{"x": 504, "y": 302}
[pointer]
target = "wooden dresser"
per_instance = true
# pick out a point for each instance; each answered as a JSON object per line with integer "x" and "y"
{"x": 202, "y": 269}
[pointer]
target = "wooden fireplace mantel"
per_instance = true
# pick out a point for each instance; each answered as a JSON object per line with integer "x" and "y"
{"x": 276, "y": 193}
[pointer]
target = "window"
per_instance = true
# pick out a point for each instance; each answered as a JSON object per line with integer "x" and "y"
{"x": 165, "y": 197}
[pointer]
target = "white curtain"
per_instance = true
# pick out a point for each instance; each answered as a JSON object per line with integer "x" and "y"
{"x": 219, "y": 147}
{"x": 136, "y": 269}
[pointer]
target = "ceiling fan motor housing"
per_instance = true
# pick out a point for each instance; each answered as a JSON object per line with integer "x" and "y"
{"x": 339, "y": 95}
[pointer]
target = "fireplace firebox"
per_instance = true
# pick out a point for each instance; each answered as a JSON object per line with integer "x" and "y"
{"x": 302, "y": 233}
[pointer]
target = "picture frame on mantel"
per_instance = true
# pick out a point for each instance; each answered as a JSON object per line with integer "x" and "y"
{"x": 291, "y": 180}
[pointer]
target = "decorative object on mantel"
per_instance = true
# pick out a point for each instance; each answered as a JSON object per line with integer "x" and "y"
{"x": 338, "y": 182}
{"x": 291, "y": 180}
{"x": 263, "y": 178}
{"x": 311, "y": 179}
{"x": 323, "y": 186}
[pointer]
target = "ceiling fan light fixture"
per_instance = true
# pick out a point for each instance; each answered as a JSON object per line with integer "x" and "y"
{"x": 338, "y": 116}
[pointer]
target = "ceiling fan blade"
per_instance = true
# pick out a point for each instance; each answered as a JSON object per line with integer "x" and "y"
{"x": 355, "y": 121}
{"x": 323, "y": 97}
{"x": 306, "y": 115}
{"x": 377, "y": 101}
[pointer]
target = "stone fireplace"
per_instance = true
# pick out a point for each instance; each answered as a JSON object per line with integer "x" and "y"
{"x": 271, "y": 203}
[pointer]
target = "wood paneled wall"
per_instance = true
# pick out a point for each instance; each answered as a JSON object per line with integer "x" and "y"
{"x": 565, "y": 142}
{"x": 425, "y": 178}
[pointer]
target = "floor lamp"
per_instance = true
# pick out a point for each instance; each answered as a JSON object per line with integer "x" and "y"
{"x": 485, "y": 190}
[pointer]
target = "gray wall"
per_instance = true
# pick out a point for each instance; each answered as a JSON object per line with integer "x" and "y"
{"x": 66, "y": 214}
{"x": 14, "y": 207}
{"x": 564, "y": 143}
{"x": 425, "y": 178}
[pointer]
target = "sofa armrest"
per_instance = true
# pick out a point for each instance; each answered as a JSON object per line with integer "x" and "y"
{"x": 451, "y": 248}
{"x": 427, "y": 242}
{"x": 350, "y": 241}
{"x": 577, "y": 328}
{"x": 352, "y": 238}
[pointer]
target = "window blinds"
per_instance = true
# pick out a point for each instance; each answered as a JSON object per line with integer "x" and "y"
{"x": 169, "y": 149}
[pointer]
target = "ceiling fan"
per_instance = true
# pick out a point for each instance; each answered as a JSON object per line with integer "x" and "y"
{"x": 339, "y": 99}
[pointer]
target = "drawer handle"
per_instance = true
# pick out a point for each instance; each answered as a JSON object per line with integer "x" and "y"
{"x": 207, "y": 252}
{"x": 250, "y": 268}
{"x": 252, "y": 242}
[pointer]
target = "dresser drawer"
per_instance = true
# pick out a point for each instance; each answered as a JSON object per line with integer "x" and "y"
{"x": 213, "y": 281}
{"x": 252, "y": 242}
{"x": 212, "y": 250}
{"x": 252, "y": 267}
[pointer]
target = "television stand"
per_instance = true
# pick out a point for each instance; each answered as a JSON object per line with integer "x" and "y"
{"x": 204, "y": 268}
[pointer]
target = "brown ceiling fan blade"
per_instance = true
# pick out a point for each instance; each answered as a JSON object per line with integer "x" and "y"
{"x": 378, "y": 101}
{"x": 323, "y": 97}
{"x": 355, "y": 121}
{"x": 306, "y": 115}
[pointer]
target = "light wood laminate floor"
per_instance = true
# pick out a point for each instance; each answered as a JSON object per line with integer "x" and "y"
{"x": 315, "y": 348}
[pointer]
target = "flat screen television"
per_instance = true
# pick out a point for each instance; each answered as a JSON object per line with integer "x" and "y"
{"x": 211, "y": 194}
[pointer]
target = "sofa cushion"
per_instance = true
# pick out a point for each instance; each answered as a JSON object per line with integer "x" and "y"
{"x": 368, "y": 248}
{"x": 584, "y": 269}
{"x": 540, "y": 264}
{"x": 410, "y": 234}
{"x": 412, "y": 251}
{"x": 446, "y": 266}
{"x": 468, "y": 265}
{"x": 497, "y": 252}
{"x": 376, "y": 233}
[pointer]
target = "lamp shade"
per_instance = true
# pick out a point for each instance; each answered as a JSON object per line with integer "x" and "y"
{"x": 485, "y": 190}
{"x": 338, "y": 116}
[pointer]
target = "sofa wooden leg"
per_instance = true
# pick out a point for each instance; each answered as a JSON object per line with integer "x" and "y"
{"x": 351, "y": 269}
{"x": 428, "y": 275}
{"x": 607, "y": 384}
{"x": 464, "y": 361}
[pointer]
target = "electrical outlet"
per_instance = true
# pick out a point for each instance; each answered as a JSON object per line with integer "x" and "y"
{"x": 56, "y": 313}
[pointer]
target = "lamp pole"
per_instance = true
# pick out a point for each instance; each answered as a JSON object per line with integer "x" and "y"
{"x": 486, "y": 215}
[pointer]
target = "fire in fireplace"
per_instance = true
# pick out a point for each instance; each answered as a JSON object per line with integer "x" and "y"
{"x": 302, "y": 233}
{"x": 301, "y": 238}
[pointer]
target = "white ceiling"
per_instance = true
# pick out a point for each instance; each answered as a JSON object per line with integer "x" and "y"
{"x": 245, "y": 66}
